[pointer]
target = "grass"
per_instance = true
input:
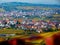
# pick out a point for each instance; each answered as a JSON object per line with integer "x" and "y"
{"x": 2, "y": 10}
{"x": 10, "y": 31}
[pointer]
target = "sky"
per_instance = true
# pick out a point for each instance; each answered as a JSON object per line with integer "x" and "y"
{"x": 57, "y": 2}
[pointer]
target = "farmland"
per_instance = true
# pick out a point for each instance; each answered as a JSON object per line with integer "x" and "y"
{"x": 26, "y": 37}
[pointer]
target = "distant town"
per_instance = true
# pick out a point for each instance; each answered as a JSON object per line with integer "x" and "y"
{"x": 30, "y": 18}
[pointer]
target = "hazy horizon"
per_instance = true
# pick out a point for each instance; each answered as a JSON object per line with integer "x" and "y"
{"x": 55, "y": 2}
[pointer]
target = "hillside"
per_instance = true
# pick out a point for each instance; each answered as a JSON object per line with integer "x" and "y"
{"x": 12, "y": 5}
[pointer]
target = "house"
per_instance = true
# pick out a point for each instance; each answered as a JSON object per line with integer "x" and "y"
{"x": 39, "y": 30}
{"x": 12, "y": 24}
{"x": 2, "y": 25}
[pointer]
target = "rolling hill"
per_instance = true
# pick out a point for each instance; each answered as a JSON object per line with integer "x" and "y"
{"x": 12, "y": 5}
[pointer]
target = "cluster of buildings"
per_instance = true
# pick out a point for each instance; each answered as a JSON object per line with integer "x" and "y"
{"x": 31, "y": 12}
{"x": 38, "y": 26}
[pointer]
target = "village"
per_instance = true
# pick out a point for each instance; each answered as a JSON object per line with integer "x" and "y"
{"x": 25, "y": 19}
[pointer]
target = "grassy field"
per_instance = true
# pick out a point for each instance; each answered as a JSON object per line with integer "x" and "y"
{"x": 10, "y": 31}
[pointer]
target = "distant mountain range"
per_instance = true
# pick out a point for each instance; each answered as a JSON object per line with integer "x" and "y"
{"x": 26, "y": 4}
{"x": 10, "y": 5}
